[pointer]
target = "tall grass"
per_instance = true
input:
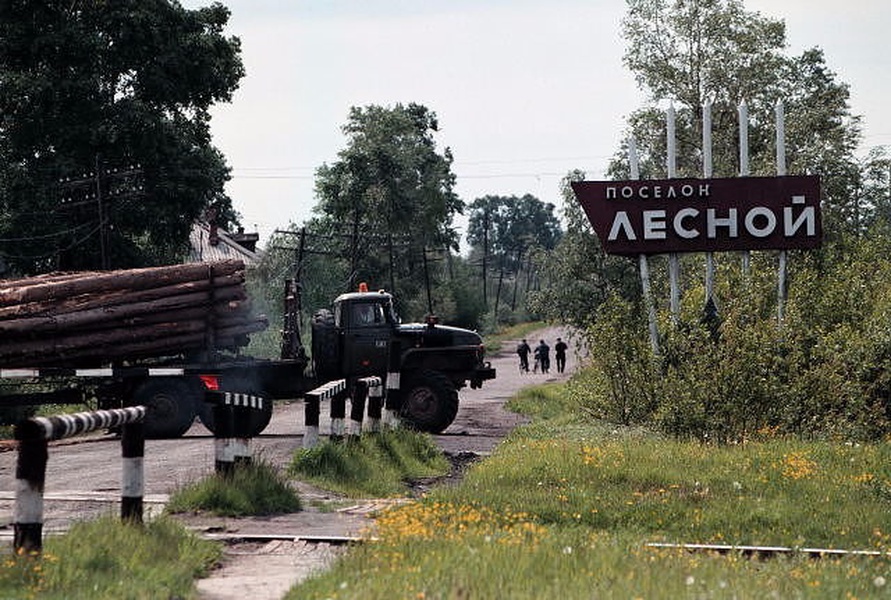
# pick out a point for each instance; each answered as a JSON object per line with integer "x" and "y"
{"x": 375, "y": 465}
{"x": 108, "y": 559}
{"x": 256, "y": 488}
{"x": 565, "y": 508}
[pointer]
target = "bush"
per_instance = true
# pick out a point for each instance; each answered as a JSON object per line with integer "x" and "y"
{"x": 823, "y": 372}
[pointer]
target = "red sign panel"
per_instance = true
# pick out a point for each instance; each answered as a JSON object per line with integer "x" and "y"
{"x": 703, "y": 215}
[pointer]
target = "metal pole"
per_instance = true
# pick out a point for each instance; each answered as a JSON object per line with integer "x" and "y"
{"x": 643, "y": 264}
{"x": 781, "y": 171}
{"x": 674, "y": 267}
{"x": 744, "y": 165}
{"x": 707, "y": 172}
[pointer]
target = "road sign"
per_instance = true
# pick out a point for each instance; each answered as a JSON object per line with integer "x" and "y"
{"x": 703, "y": 215}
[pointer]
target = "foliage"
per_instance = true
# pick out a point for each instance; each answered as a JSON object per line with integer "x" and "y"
{"x": 105, "y": 149}
{"x": 698, "y": 52}
{"x": 324, "y": 276}
{"x": 577, "y": 276}
{"x": 108, "y": 559}
{"x": 376, "y": 465}
{"x": 255, "y": 488}
{"x": 388, "y": 202}
{"x": 574, "y": 508}
{"x": 506, "y": 234}
{"x": 823, "y": 372}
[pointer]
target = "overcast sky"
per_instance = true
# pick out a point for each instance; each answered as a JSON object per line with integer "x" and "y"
{"x": 524, "y": 90}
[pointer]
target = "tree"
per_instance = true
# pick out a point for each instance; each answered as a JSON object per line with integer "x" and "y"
{"x": 580, "y": 276}
{"x": 694, "y": 52}
{"x": 511, "y": 228}
{"x": 390, "y": 197}
{"x": 104, "y": 130}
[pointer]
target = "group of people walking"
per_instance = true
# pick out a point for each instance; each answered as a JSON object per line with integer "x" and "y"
{"x": 542, "y": 356}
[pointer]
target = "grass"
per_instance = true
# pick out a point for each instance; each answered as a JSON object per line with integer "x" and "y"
{"x": 566, "y": 508}
{"x": 256, "y": 488}
{"x": 108, "y": 559}
{"x": 375, "y": 465}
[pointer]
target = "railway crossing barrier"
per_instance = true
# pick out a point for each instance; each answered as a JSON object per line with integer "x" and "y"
{"x": 364, "y": 390}
{"x": 34, "y": 436}
{"x": 231, "y": 415}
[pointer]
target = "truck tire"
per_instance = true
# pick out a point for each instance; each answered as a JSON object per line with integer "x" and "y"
{"x": 430, "y": 403}
{"x": 170, "y": 404}
{"x": 325, "y": 347}
{"x": 258, "y": 419}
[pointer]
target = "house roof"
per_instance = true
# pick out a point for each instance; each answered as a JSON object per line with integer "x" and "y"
{"x": 202, "y": 247}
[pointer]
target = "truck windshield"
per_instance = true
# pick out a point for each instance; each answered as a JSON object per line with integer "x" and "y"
{"x": 366, "y": 314}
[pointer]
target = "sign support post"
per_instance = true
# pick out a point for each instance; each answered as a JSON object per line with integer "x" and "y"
{"x": 781, "y": 170}
{"x": 707, "y": 172}
{"x": 674, "y": 266}
{"x": 744, "y": 166}
{"x": 643, "y": 262}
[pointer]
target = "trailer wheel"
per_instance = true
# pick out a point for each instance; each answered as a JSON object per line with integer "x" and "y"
{"x": 325, "y": 346}
{"x": 431, "y": 402}
{"x": 258, "y": 419}
{"x": 170, "y": 406}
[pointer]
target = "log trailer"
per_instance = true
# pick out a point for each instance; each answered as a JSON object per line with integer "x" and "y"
{"x": 165, "y": 337}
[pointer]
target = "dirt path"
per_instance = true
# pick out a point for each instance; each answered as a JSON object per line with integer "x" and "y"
{"x": 263, "y": 570}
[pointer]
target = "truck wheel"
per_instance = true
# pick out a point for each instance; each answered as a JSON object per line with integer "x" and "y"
{"x": 258, "y": 419}
{"x": 430, "y": 403}
{"x": 170, "y": 406}
{"x": 325, "y": 346}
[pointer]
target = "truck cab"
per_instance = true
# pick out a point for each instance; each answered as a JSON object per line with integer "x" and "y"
{"x": 362, "y": 336}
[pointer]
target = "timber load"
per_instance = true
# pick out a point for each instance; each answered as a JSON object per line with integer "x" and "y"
{"x": 91, "y": 318}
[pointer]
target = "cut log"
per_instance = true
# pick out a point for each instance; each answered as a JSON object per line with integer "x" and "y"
{"x": 22, "y": 292}
{"x": 115, "y": 316}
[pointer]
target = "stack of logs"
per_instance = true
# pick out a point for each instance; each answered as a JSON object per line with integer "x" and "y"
{"x": 88, "y": 318}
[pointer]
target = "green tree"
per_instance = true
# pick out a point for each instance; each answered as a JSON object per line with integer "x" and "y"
{"x": 104, "y": 130}
{"x": 580, "y": 276}
{"x": 506, "y": 231}
{"x": 389, "y": 197}
{"x": 695, "y": 52}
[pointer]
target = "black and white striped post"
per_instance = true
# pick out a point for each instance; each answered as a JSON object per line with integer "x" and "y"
{"x": 231, "y": 415}
{"x": 361, "y": 394}
{"x": 393, "y": 401}
{"x": 375, "y": 404}
{"x": 34, "y": 436}
{"x": 312, "y": 403}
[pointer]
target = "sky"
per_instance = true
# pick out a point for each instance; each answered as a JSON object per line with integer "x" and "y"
{"x": 524, "y": 90}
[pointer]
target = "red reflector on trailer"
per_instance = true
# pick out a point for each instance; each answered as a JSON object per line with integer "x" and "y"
{"x": 211, "y": 382}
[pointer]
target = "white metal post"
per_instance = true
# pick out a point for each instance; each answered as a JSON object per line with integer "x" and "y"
{"x": 708, "y": 172}
{"x": 781, "y": 171}
{"x": 642, "y": 261}
{"x": 674, "y": 267}
{"x": 744, "y": 163}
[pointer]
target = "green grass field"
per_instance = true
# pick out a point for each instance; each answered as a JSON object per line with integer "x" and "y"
{"x": 566, "y": 509}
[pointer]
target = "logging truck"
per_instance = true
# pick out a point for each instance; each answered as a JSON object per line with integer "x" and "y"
{"x": 164, "y": 337}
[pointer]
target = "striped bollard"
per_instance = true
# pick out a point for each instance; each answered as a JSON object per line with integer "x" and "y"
{"x": 133, "y": 473}
{"x": 375, "y": 405}
{"x": 223, "y": 438}
{"x": 34, "y": 436}
{"x": 232, "y": 440}
{"x": 338, "y": 417}
{"x": 357, "y": 407}
{"x": 392, "y": 400}
{"x": 312, "y": 402}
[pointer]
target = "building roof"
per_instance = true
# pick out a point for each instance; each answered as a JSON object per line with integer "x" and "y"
{"x": 204, "y": 248}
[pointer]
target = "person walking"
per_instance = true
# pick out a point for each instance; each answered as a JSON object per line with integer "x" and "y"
{"x": 560, "y": 353}
{"x": 543, "y": 356}
{"x": 523, "y": 351}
